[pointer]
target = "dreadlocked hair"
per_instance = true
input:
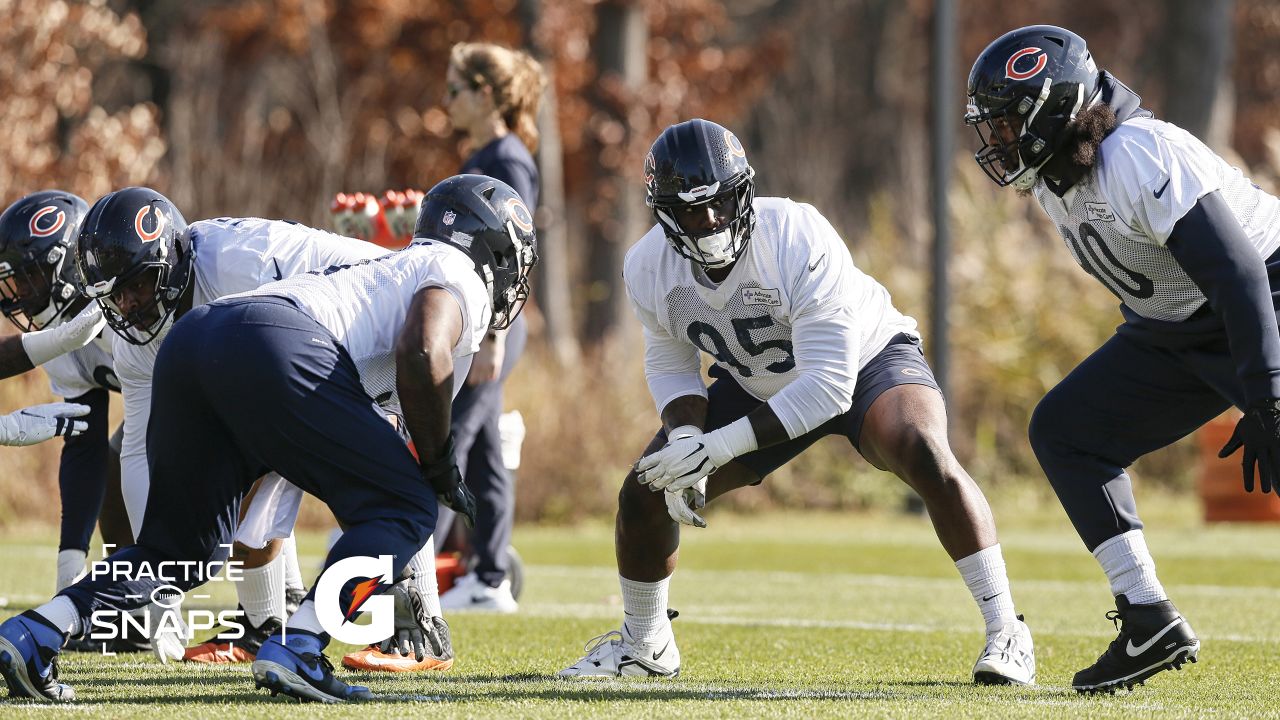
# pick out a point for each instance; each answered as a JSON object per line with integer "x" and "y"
{"x": 1085, "y": 134}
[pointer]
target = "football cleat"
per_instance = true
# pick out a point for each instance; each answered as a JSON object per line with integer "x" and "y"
{"x": 299, "y": 669}
{"x": 29, "y": 658}
{"x": 371, "y": 659}
{"x": 1152, "y": 638}
{"x": 615, "y": 655}
{"x": 223, "y": 649}
{"x": 471, "y": 593}
{"x": 1009, "y": 657}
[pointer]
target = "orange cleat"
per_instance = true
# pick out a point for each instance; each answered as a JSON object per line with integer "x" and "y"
{"x": 214, "y": 652}
{"x": 371, "y": 659}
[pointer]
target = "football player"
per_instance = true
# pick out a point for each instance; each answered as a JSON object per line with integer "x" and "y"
{"x": 285, "y": 378}
{"x": 1189, "y": 246}
{"x": 804, "y": 345}
{"x": 39, "y": 294}
{"x": 145, "y": 266}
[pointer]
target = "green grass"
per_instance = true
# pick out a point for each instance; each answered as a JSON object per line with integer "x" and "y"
{"x": 781, "y": 616}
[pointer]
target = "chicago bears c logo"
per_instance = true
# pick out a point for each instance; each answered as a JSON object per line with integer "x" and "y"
{"x": 520, "y": 214}
{"x": 735, "y": 145}
{"x": 139, "y": 224}
{"x": 1010, "y": 67}
{"x": 46, "y": 228}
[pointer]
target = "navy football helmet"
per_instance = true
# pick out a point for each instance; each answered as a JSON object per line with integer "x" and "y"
{"x": 38, "y": 280}
{"x": 702, "y": 191}
{"x": 135, "y": 241}
{"x": 1024, "y": 90}
{"x": 487, "y": 220}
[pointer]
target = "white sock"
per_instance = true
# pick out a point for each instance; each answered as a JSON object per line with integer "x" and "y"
{"x": 305, "y": 619}
{"x": 261, "y": 592}
{"x": 63, "y": 614}
{"x": 984, "y": 573}
{"x": 1130, "y": 568}
{"x": 70, "y": 568}
{"x": 645, "y": 607}
{"x": 423, "y": 564}
{"x": 292, "y": 570}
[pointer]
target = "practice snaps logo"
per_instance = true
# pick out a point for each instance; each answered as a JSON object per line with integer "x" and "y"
{"x": 339, "y": 621}
{"x": 163, "y": 612}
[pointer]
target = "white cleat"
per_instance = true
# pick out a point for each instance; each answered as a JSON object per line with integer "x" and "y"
{"x": 470, "y": 593}
{"x": 1009, "y": 657}
{"x": 614, "y": 655}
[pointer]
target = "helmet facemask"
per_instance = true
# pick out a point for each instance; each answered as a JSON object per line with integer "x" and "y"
{"x": 1012, "y": 152}
{"x": 709, "y": 226}
{"x": 146, "y": 320}
{"x": 32, "y": 292}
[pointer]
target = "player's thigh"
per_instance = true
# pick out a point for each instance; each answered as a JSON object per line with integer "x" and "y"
{"x": 905, "y": 431}
{"x": 898, "y": 413}
{"x": 1124, "y": 401}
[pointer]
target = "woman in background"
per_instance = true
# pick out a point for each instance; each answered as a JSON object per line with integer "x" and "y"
{"x": 492, "y": 95}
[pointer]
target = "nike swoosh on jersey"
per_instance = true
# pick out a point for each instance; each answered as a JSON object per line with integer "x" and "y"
{"x": 1138, "y": 650}
{"x": 818, "y": 262}
{"x": 1160, "y": 192}
{"x": 280, "y": 275}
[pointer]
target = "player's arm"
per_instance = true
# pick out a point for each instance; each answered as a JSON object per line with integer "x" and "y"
{"x": 1212, "y": 248}
{"x": 20, "y": 353}
{"x": 424, "y": 381}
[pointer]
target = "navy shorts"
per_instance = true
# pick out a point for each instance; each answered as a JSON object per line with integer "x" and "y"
{"x": 901, "y": 362}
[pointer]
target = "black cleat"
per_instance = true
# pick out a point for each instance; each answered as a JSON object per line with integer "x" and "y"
{"x": 1152, "y": 638}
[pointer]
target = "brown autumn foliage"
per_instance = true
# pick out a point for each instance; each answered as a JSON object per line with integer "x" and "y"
{"x": 269, "y": 108}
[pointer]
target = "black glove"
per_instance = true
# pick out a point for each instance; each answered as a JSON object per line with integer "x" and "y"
{"x": 1259, "y": 433}
{"x": 416, "y": 631}
{"x": 447, "y": 482}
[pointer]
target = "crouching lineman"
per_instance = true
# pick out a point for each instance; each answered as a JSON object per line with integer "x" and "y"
{"x": 147, "y": 267}
{"x": 805, "y": 345}
{"x": 39, "y": 293}
{"x": 284, "y": 378}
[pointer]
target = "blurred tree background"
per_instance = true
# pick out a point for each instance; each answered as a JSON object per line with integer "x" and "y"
{"x": 256, "y": 107}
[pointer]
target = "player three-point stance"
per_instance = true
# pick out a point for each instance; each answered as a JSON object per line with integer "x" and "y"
{"x": 285, "y": 378}
{"x": 805, "y": 345}
{"x": 1187, "y": 243}
{"x": 40, "y": 296}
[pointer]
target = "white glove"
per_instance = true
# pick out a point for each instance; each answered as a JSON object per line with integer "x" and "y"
{"x": 682, "y": 505}
{"x": 416, "y": 630}
{"x": 45, "y": 345}
{"x": 41, "y": 422}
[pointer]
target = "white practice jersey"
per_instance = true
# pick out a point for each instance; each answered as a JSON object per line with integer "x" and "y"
{"x": 232, "y": 255}
{"x": 794, "y": 321}
{"x": 364, "y": 305}
{"x": 79, "y": 371}
{"x": 1117, "y": 220}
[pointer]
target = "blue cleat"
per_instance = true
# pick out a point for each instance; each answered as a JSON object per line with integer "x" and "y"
{"x": 299, "y": 669}
{"x": 29, "y": 658}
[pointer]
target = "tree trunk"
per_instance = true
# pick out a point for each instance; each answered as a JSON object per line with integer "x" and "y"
{"x": 552, "y": 281}
{"x": 1198, "y": 42}
{"x": 621, "y": 54}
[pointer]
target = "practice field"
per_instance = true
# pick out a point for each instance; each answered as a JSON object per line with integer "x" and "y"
{"x": 785, "y": 615}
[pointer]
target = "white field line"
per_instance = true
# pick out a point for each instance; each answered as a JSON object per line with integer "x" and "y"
{"x": 598, "y": 610}
{"x": 900, "y": 581}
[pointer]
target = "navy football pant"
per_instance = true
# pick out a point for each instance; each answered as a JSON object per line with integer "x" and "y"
{"x": 475, "y": 415}
{"x": 82, "y": 474}
{"x": 1125, "y": 400}
{"x": 249, "y": 385}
